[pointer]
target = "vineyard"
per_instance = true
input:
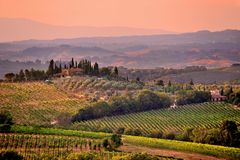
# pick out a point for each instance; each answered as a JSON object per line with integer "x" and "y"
{"x": 36, "y": 103}
{"x": 38, "y": 146}
{"x": 58, "y": 143}
{"x": 56, "y": 147}
{"x": 205, "y": 115}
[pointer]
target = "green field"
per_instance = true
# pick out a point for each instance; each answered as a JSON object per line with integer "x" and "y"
{"x": 205, "y": 115}
{"x": 36, "y": 103}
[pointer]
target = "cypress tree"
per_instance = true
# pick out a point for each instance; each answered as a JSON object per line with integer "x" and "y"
{"x": 191, "y": 82}
{"x": 115, "y": 70}
{"x": 50, "y": 70}
{"x": 76, "y": 65}
{"x": 96, "y": 68}
{"x": 21, "y": 75}
{"x": 72, "y": 63}
{"x": 60, "y": 68}
{"x": 169, "y": 83}
{"x": 28, "y": 75}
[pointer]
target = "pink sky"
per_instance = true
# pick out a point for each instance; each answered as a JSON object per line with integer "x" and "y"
{"x": 172, "y": 15}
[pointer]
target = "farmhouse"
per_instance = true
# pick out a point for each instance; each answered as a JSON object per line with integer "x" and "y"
{"x": 216, "y": 96}
{"x": 70, "y": 72}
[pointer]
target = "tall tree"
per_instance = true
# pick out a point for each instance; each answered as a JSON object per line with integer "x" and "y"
{"x": 160, "y": 82}
{"x": 50, "y": 70}
{"x": 221, "y": 92}
{"x": 21, "y": 75}
{"x": 115, "y": 70}
{"x": 55, "y": 69}
{"x": 96, "y": 68}
{"x": 169, "y": 83}
{"x": 228, "y": 133}
{"x": 76, "y": 65}
{"x": 28, "y": 75}
{"x": 191, "y": 82}
{"x": 72, "y": 63}
{"x": 105, "y": 71}
{"x": 138, "y": 79}
{"x": 9, "y": 76}
{"x": 60, "y": 68}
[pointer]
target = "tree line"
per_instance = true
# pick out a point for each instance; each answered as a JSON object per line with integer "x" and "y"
{"x": 26, "y": 75}
{"x": 57, "y": 67}
{"x": 190, "y": 96}
{"x": 118, "y": 105}
{"x": 84, "y": 64}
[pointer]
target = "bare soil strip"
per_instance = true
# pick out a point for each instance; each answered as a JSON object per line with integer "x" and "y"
{"x": 167, "y": 153}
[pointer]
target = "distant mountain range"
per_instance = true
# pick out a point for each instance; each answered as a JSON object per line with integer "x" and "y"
{"x": 24, "y": 29}
{"x": 211, "y": 49}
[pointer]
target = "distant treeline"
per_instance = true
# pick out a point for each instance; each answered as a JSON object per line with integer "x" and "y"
{"x": 152, "y": 74}
{"x": 26, "y": 75}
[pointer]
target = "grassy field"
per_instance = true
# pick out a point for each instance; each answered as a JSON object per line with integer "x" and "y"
{"x": 206, "y": 115}
{"x": 36, "y": 103}
{"x": 58, "y": 131}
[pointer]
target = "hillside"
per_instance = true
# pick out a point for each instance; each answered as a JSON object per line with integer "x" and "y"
{"x": 211, "y": 49}
{"x": 210, "y": 76}
{"x": 11, "y": 29}
{"x": 36, "y": 103}
{"x": 94, "y": 88}
{"x": 207, "y": 115}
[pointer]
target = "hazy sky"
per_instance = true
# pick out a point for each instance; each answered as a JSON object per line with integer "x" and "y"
{"x": 172, "y": 15}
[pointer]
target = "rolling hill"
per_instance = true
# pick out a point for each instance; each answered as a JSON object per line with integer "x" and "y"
{"x": 36, "y": 103}
{"x": 211, "y": 49}
{"x": 205, "y": 115}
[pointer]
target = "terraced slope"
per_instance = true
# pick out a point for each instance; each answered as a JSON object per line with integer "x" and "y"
{"x": 197, "y": 115}
{"x": 36, "y": 103}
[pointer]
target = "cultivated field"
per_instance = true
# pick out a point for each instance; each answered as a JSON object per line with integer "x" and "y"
{"x": 205, "y": 115}
{"x": 36, "y": 103}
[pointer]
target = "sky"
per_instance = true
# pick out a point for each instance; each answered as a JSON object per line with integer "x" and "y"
{"x": 171, "y": 15}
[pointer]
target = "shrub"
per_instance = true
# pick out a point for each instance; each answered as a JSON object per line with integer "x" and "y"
{"x": 10, "y": 155}
{"x": 5, "y": 121}
{"x": 137, "y": 132}
{"x": 120, "y": 130}
{"x": 128, "y": 131}
{"x": 170, "y": 135}
{"x": 136, "y": 156}
{"x": 5, "y": 128}
{"x": 114, "y": 142}
{"x": 156, "y": 134}
{"x": 105, "y": 129}
{"x": 189, "y": 96}
{"x": 82, "y": 156}
{"x": 5, "y": 118}
{"x": 187, "y": 134}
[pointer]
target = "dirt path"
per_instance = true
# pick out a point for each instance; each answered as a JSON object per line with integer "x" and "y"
{"x": 167, "y": 153}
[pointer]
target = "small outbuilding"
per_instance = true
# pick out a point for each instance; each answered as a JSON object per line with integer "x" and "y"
{"x": 217, "y": 97}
